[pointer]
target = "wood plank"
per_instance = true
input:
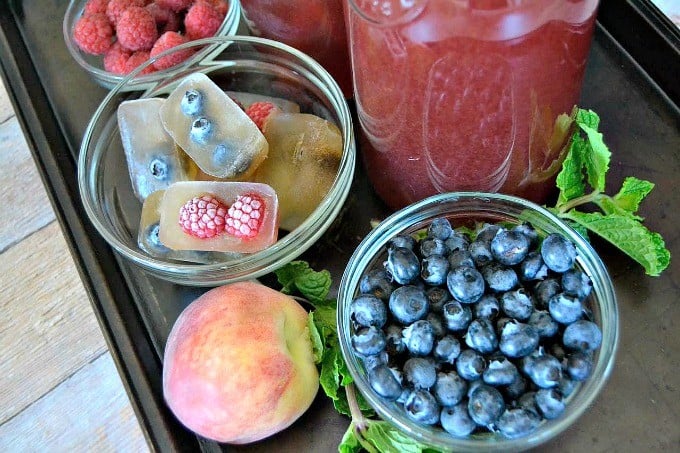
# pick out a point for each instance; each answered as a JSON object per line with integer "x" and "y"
{"x": 87, "y": 412}
{"x": 47, "y": 328}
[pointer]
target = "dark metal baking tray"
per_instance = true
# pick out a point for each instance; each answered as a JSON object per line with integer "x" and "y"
{"x": 633, "y": 94}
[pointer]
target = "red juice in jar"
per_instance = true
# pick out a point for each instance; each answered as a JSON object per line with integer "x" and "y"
{"x": 316, "y": 27}
{"x": 460, "y": 95}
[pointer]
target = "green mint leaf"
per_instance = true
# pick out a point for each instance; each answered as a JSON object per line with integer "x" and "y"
{"x": 587, "y": 118}
{"x": 298, "y": 275}
{"x": 570, "y": 180}
{"x": 350, "y": 442}
{"x": 315, "y": 337}
{"x": 596, "y": 160}
{"x": 385, "y": 438}
{"x": 629, "y": 235}
{"x": 628, "y": 199}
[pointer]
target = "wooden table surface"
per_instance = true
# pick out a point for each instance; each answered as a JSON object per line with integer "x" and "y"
{"x": 59, "y": 388}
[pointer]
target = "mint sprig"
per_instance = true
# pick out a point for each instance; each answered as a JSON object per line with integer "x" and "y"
{"x": 585, "y": 166}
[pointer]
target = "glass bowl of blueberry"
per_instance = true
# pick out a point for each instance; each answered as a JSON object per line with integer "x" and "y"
{"x": 477, "y": 322}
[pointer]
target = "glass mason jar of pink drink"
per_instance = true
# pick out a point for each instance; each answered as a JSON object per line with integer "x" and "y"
{"x": 457, "y": 95}
{"x": 316, "y": 27}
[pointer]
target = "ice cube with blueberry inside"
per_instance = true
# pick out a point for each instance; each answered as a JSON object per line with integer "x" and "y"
{"x": 304, "y": 156}
{"x": 212, "y": 129}
{"x": 154, "y": 162}
{"x": 248, "y": 99}
{"x": 224, "y": 216}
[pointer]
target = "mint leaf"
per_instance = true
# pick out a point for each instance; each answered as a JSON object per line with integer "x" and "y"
{"x": 629, "y": 235}
{"x": 570, "y": 178}
{"x": 297, "y": 275}
{"x": 379, "y": 436}
{"x": 315, "y": 337}
{"x": 596, "y": 160}
{"x": 628, "y": 199}
{"x": 350, "y": 442}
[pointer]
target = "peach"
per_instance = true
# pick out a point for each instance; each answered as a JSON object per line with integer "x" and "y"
{"x": 238, "y": 364}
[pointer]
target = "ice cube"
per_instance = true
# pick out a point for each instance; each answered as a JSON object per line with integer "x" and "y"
{"x": 154, "y": 162}
{"x": 221, "y": 216}
{"x": 304, "y": 156}
{"x": 212, "y": 129}
{"x": 246, "y": 99}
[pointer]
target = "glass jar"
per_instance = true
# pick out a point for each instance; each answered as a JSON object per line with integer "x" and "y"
{"x": 466, "y": 94}
{"x": 316, "y": 27}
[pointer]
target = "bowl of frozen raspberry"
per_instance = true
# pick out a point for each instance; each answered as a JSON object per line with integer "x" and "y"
{"x": 477, "y": 322}
{"x": 112, "y": 38}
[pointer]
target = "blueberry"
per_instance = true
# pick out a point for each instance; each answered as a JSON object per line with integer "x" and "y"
{"x": 460, "y": 257}
{"x": 408, "y": 304}
{"x": 372, "y": 361}
{"x": 420, "y": 372}
{"x": 403, "y": 265}
{"x": 376, "y": 282}
{"x": 447, "y": 349}
{"x": 500, "y": 371}
{"x": 434, "y": 269}
{"x": 529, "y": 231}
{"x": 487, "y": 307}
{"x": 457, "y": 241}
{"x": 533, "y": 267}
{"x": 545, "y": 290}
{"x": 159, "y": 168}
{"x": 191, "y": 103}
{"x": 517, "y": 422}
{"x": 579, "y": 365}
{"x": 456, "y": 420}
{"x": 153, "y": 239}
{"x": 419, "y": 338}
{"x": 567, "y": 386}
{"x": 480, "y": 253}
{"x": 487, "y": 232}
{"x": 545, "y": 371}
{"x": 403, "y": 241}
{"x": 470, "y": 365}
{"x": 465, "y": 284}
{"x": 558, "y": 253}
{"x": 518, "y": 339}
{"x": 201, "y": 130}
{"x": 509, "y": 247}
{"x": 456, "y": 316}
{"x": 565, "y": 309}
{"x": 516, "y": 388}
{"x": 499, "y": 277}
{"x": 544, "y": 324}
{"x": 557, "y": 350}
{"x": 437, "y": 297}
{"x": 472, "y": 386}
{"x": 384, "y": 382}
{"x": 481, "y": 336}
{"x": 367, "y": 310}
{"x": 440, "y": 228}
{"x": 517, "y": 304}
{"x": 485, "y": 405}
{"x": 550, "y": 403}
{"x": 576, "y": 283}
{"x": 527, "y": 401}
{"x": 422, "y": 407}
{"x": 582, "y": 335}
{"x": 394, "y": 339}
{"x": 437, "y": 322}
{"x": 368, "y": 341}
{"x": 432, "y": 246}
{"x": 450, "y": 389}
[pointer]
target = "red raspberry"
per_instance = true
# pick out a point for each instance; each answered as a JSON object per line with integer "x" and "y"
{"x": 203, "y": 217}
{"x": 137, "y": 59}
{"x": 168, "y": 40}
{"x": 220, "y": 6}
{"x": 136, "y": 29}
{"x": 95, "y": 7}
{"x": 175, "y": 5}
{"x": 202, "y": 20}
{"x": 244, "y": 217}
{"x": 166, "y": 19}
{"x": 260, "y": 112}
{"x": 115, "y": 59}
{"x": 93, "y": 34}
{"x": 116, "y": 7}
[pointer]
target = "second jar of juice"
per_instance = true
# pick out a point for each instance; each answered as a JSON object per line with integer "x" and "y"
{"x": 316, "y": 27}
{"x": 466, "y": 94}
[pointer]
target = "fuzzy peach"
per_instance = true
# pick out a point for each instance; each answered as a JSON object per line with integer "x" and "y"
{"x": 238, "y": 364}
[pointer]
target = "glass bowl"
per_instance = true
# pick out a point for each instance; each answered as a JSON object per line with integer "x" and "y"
{"x": 237, "y": 63}
{"x": 94, "y": 65}
{"x": 464, "y": 209}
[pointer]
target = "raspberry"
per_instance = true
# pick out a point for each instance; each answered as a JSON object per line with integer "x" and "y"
{"x": 175, "y": 5}
{"x": 202, "y": 20}
{"x": 166, "y": 19}
{"x": 95, "y": 7}
{"x": 93, "y": 34}
{"x": 220, "y": 6}
{"x": 168, "y": 40}
{"x": 244, "y": 217}
{"x": 203, "y": 217}
{"x": 259, "y": 112}
{"x": 115, "y": 59}
{"x": 137, "y": 59}
{"x": 115, "y": 8}
{"x": 136, "y": 29}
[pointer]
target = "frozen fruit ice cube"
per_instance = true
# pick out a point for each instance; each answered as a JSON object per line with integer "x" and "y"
{"x": 153, "y": 160}
{"x": 247, "y": 99}
{"x": 212, "y": 129}
{"x": 226, "y": 216}
{"x": 304, "y": 155}
{"x": 148, "y": 237}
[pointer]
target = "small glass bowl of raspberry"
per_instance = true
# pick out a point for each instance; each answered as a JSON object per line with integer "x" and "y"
{"x": 237, "y": 64}
{"x": 111, "y": 38}
{"x": 444, "y": 385}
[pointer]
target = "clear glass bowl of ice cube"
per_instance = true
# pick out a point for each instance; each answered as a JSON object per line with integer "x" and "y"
{"x": 237, "y": 64}
{"x": 468, "y": 209}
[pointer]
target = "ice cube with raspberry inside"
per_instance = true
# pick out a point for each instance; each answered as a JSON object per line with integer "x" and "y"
{"x": 154, "y": 162}
{"x": 247, "y": 99}
{"x": 212, "y": 129}
{"x": 223, "y": 216}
